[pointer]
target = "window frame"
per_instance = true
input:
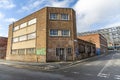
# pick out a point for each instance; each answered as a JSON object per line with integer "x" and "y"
{"x": 64, "y": 34}
{"x": 21, "y": 50}
{"x": 16, "y": 28}
{"x": 23, "y": 25}
{"x": 23, "y": 39}
{"x": 28, "y": 51}
{"x": 53, "y": 33}
{"x": 64, "y": 16}
{"x": 53, "y": 16}
{"x": 32, "y": 21}
{"x": 14, "y": 39}
{"x": 29, "y": 38}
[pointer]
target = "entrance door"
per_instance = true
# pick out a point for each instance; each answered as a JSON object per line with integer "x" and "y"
{"x": 61, "y": 54}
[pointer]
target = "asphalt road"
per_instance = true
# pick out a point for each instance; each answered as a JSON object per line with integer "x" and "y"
{"x": 104, "y": 68}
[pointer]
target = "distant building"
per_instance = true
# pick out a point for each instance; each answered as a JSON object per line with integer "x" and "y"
{"x": 111, "y": 34}
{"x": 98, "y": 40}
{"x": 3, "y": 47}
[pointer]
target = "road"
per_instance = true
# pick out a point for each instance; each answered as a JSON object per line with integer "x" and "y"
{"x": 104, "y": 68}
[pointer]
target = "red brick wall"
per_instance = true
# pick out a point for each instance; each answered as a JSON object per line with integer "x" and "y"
{"x": 3, "y": 45}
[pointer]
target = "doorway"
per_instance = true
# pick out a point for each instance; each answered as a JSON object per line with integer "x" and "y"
{"x": 61, "y": 53}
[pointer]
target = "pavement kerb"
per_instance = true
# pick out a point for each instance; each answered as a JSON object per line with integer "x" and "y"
{"x": 77, "y": 62}
{"x": 52, "y": 68}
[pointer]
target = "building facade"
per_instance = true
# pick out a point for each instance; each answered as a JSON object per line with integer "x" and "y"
{"x": 84, "y": 49}
{"x": 45, "y": 35}
{"x": 98, "y": 40}
{"x": 3, "y": 47}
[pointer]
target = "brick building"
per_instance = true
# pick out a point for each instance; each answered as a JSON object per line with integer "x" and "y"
{"x": 98, "y": 40}
{"x": 3, "y": 47}
{"x": 84, "y": 49}
{"x": 46, "y": 35}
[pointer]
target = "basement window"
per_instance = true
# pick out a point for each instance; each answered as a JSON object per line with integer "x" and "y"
{"x": 30, "y": 51}
{"x": 21, "y": 51}
{"x": 14, "y": 51}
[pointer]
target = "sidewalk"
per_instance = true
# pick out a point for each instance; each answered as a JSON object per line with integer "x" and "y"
{"x": 46, "y": 66}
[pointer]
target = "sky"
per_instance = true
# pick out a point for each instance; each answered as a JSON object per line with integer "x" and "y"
{"x": 90, "y": 14}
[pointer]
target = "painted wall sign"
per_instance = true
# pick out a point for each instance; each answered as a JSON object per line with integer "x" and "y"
{"x": 41, "y": 51}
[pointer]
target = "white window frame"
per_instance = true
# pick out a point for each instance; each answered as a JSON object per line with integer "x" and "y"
{"x": 53, "y": 16}
{"x": 53, "y": 33}
{"x": 64, "y": 34}
{"x": 64, "y": 17}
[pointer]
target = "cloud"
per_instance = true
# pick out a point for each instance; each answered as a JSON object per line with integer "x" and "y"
{"x": 1, "y": 15}
{"x": 60, "y": 3}
{"x": 30, "y": 5}
{"x": 6, "y": 4}
{"x": 37, "y": 4}
{"x": 95, "y": 14}
{"x": 10, "y": 20}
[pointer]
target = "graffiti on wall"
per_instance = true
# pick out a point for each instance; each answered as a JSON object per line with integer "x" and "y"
{"x": 41, "y": 51}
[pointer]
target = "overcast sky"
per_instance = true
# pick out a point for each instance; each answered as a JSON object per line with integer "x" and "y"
{"x": 91, "y": 14}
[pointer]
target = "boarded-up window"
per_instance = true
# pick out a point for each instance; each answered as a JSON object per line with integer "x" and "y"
{"x": 32, "y": 36}
{"x": 15, "y": 39}
{"x": 33, "y": 21}
{"x": 23, "y": 38}
{"x": 16, "y": 28}
{"x": 23, "y": 25}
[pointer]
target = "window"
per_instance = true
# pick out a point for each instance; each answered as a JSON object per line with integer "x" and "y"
{"x": 81, "y": 48}
{"x": 53, "y": 16}
{"x": 21, "y": 51}
{"x": 59, "y": 51}
{"x": 16, "y": 28}
{"x": 14, "y": 51}
{"x": 32, "y": 36}
{"x": 53, "y": 32}
{"x": 15, "y": 39}
{"x": 30, "y": 51}
{"x": 22, "y": 38}
{"x": 69, "y": 50}
{"x": 64, "y": 17}
{"x": 88, "y": 49}
{"x": 33, "y": 21}
{"x": 23, "y": 25}
{"x": 65, "y": 33}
